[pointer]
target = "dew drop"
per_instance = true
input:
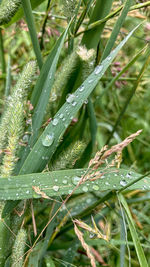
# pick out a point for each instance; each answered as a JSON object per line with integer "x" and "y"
{"x": 88, "y": 201}
{"x": 98, "y": 69}
{"x": 48, "y": 140}
{"x": 27, "y": 192}
{"x": 109, "y": 58}
{"x": 75, "y": 180}
{"x": 74, "y": 103}
{"x": 56, "y": 188}
{"x": 107, "y": 183}
{"x": 86, "y": 102}
{"x": 55, "y": 121}
{"x": 123, "y": 183}
{"x": 85, "y": 189}
{"x": 81, "y": 88}
{"x": 65, "y": 182}
{"x": 95, "y": 187}
{"x": 61, "y": 115}
{"x": 90, "y": 81}
{"x": 25, "y": 138}
{"x": 70, "y": 98}
{"x": 128, "y": 175}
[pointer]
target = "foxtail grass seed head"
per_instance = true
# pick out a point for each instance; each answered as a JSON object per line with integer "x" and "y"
{"x": 8, "y": 8}
{"x": 69, "y": 7}
{"x": 87, "y": 58}
{"x": 14, "y": 116}
{"x": 18, "y": 249}
{"x": 67, "y": 158}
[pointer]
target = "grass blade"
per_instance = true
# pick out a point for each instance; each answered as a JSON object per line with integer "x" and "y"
{"x": 40, "y": 95}
{"x": 65, "y": 115}
{"x": 39, "y": 185}
{"x": 139, "y": 77}
{"x": 116, "y": 29}
{"x": 92, "y": 37}
{"x": 137, "y": 244}
{"x": 8, "y": 77}
{"x": 31, "y": 25}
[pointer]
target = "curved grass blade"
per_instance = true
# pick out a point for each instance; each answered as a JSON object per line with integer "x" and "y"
{"x": 31, "y": 25}
{"x": 137, "y": 244}
{"x": 57, "y": 183}
{"x": 43, "y": 151}
{"x": 92, "y": 37}
{"x": 116, "y": 29}
{"x": 41, "y": 92}
{"x": 109, "y": 86}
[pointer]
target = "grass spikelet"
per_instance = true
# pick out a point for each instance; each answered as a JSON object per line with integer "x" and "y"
{"x": 68, "y": 157}
{"x": 12, "y": 121}
{"x": 18, "y": 249}
{"x": 85, "y": 245}
{"x": 87, "y": 58}
{"x": 8, "y": 9}
{"x": 69, "y": 8}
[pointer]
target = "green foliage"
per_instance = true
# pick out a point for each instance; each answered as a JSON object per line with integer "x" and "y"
{"x": 67, "y": 199}
{"x": 8, "y": 9}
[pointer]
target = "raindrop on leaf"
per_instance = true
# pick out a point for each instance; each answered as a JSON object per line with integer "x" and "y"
{"x": 48, "y": 140}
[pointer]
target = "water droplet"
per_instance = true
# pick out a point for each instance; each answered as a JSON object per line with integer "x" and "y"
{"x": 55, "y": 121}
{"x": 107, "y": 183}
{"x": 90, "y": 81}
{"x": 74, "y": 103}
{"x": 61, "y": 115}
{"x": 123, "y": 183}
{"x": 70, "y": 98}
{"x": 25, "y": 138}
{"x": 86, "y": 101}
{"x": 95, "y": 187}
{"x": 88, "y": 201}
{"x": 109, "y": 58}
{"x": 98, "y": 69}
{"x": 75, "y": 180}
{"x": 85, "y": 189}
{"x": 56, "y": 188}
{"x": 65, "y": 181}
{"x": 92, "y": 235}
{"x": 27, "y": 192}
{"x": 81, "y": 88}
{"x": 128, "y": 175}
{"x": 48, "y": 140}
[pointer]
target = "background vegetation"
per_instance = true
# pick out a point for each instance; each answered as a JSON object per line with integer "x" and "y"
{"x": 74, "y": 94}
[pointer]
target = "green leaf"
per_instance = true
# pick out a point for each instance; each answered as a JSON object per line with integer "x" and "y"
{"x": 116, "y": 29}
{"x": 137, "y": 244}
{"x": 41, "y": 92}
{"x": 32, "y": 29}
{"x": 92, "y": 37}
{"x": 63, "y": 182}
{"x": 54, "y": 131}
